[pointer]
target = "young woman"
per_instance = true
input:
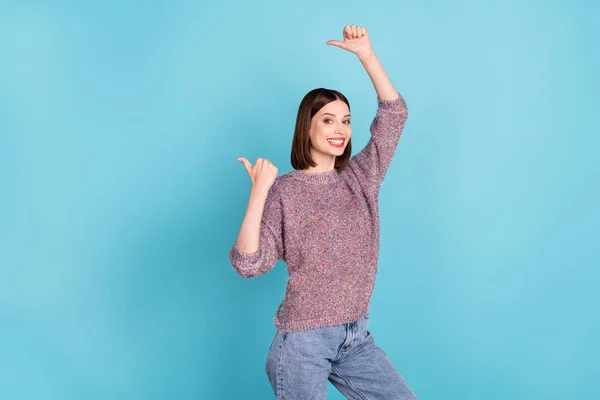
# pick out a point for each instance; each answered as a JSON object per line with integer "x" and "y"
{"x": 322, "y": 219}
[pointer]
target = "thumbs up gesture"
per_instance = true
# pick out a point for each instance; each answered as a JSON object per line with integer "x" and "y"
{"x": 262, "y": 173}
{"x": 356, "y": 40}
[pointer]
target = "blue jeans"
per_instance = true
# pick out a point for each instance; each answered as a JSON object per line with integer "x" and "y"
{"x": 300, "y": 363}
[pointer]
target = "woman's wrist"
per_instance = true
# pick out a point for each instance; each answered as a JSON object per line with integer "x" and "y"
{"x": 366, "y": 56}
{"x": 259, "y": 193}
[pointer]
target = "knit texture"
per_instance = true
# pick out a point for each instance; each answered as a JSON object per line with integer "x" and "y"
{"x": 325, "y": 227}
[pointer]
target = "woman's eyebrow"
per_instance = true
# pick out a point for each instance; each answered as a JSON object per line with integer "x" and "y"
{"x": 347, "y": 115}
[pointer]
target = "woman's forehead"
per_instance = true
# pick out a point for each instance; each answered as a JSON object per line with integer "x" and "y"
{"x": 337, "y": 108}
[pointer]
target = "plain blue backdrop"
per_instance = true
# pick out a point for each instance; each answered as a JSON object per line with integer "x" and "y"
{"x": 120, "y": 125}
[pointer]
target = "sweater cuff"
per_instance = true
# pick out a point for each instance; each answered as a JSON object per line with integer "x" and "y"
{"x": 396, "y": 106}
{"x": 242, "y": 259}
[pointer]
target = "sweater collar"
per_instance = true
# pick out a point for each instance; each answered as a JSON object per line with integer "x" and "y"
{"x": 318, "y": 177}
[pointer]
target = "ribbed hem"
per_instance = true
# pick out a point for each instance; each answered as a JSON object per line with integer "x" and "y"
{"x": 294, "y": 326}
{"x": 318, "y": 177}
{"x": 396, "y": 106}
{"x": 241, "y": 259}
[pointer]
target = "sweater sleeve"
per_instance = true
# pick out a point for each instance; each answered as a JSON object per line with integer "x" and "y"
{"x": 372, "y": 162}
{"x": 270, "y": 247}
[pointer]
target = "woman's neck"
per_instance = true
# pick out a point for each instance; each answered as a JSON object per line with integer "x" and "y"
{"x": 325, "y": 163}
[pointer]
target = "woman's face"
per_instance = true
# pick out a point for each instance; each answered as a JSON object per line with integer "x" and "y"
{"x": 330, "y": 129}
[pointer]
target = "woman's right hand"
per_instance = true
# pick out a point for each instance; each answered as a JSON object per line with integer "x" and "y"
{"x": 262, "y": 173}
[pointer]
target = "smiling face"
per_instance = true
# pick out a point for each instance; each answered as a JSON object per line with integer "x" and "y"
{"x": 323, "y": 118}
{"x": 330, "y": 131}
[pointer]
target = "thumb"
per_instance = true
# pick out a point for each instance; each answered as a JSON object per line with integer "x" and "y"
{"x": 336, "y": 43}
{"x": 246, "y": 164}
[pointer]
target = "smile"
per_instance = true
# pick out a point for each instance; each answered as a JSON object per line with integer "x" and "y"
{"x": 336, "y": 142}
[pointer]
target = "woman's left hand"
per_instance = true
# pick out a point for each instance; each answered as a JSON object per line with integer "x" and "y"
{"x": 356, "y": 40}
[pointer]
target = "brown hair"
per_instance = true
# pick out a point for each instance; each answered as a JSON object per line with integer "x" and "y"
{"x": 312, "y": 102}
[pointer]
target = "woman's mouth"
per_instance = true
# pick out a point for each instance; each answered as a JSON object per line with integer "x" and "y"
{"x": 339, "y": 143}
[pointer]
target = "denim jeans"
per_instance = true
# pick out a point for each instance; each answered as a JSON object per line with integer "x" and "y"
{"x": 300, "y": 363}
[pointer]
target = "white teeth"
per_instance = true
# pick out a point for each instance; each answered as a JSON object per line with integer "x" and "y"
{"x": 335, "y": 141}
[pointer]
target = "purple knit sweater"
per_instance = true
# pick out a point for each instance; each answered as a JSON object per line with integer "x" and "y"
{"x": 325, "y": 227}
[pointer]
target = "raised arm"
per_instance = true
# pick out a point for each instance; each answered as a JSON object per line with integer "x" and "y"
{"x": 372, "y": 162}
{"x": 357, "y": 41}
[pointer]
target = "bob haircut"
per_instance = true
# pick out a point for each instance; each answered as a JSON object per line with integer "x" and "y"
{"x": 312, "y": 102}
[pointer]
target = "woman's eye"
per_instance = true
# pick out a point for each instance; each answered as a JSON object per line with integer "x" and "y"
{"x": 327, "y": 120}
{"x": 347, "y": 122}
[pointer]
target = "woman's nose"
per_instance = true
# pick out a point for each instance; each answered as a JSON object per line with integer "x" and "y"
{"x": 341, "y": 127}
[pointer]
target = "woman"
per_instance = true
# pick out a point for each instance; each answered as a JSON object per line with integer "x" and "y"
{"x": 322, "y": 219}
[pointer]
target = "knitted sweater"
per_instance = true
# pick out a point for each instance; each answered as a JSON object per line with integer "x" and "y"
{"x": 325, "y": 227}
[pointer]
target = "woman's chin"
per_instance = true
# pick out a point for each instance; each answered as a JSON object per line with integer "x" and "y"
{"x": 337, "y": 151}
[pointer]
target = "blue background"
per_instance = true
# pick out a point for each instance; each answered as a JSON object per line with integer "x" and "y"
{"x": 121, "y": 195}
